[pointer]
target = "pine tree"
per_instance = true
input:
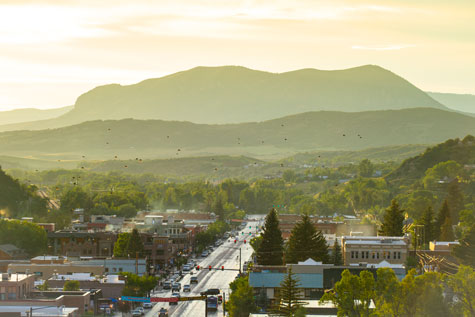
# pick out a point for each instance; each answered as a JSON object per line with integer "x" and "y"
{"x": 393, "y": 221}
{"x": 446, "y": 231}
{"x": 444, "y": 213}
{"x": 271, "y": 249}
{"x": 455, "y": 199}
{"x": 290, "y": 296}
{"x": 427, "y": 221}
{"x": 337, "y": 258}
{"x": 120, "y": 246}
{"x": 135, "y": 245}
{"x": 306, "y": 242}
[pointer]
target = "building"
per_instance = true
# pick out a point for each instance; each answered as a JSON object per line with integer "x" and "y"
{"x": 374, "y": 249}
{"x": 16, "y": 286}
{"x": 115, "y": 266}
{"x": 82, "y": 243}
{"x": 111, "y": 285}
{"x": 46, "y": 271}
{"x": 11, "y": 252}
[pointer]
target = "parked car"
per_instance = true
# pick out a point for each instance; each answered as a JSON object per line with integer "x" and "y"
{"x": 186, "y": 268}
{"x": 142, "y": 311}
{"x": 167, "y": 285}
{"x": 186, "y": 288}
{"x": 136, "y": 313}
{"x": 163, "y": 312}
{"x": 194, "y": 280}
{"x": 204, "y": 254}
{"x": 147, "y": 305}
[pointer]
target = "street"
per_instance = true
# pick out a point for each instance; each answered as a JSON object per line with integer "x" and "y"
{"x": 226, "y": 255}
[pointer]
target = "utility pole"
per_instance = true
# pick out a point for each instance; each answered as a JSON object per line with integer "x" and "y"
{"x": 224, "y": 304}
{"x": 206, "y": 306}
{"x": 239, "y": 261}
{"x": 137, "y": 263}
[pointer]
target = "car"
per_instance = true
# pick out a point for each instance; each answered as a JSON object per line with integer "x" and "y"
{"x": 194, "y": 280}
{"x": 204, "y": 254}
{"x": 175, "y": 295}
{"x": 176, "y": 287}
{"x": 167, "y": 285}
{"x": 211, "y": 291}
{"x": 136, "y": 313}
{"x": 163, "y": 312}
{"x": 186, "y": 288}
{"x": 142, "y": 311}
{"x": 147, "y": 305}
{"x": 186, "y": 268}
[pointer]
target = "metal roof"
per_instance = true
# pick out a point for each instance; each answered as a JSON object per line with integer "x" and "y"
{"x": 270, "y": 279}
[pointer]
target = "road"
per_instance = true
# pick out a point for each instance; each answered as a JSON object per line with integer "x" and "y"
{"x": 226, "y": 255}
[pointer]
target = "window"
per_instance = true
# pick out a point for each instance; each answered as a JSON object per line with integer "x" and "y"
{"x": 399, "y": 255}
{"x": 107, "y": 270}
{"x": 374, "y": 255}
{"x": 356, "y": 254}
{"x": 120, "y": 269}
{"x": 362, "y": 254}
{"x": 352, "y": 254}
{"x": 114, "y": 269}
{"x": 377, "y": 255}
{"x": 367, "y": 254}
{"x": 394, "y": 255}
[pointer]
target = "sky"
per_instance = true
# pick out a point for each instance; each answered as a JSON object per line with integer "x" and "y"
{"x": 51, "y": 51}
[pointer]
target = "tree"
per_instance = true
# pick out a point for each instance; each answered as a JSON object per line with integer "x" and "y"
{"x": 139, "y": 286}
{"x": 256, "y": 243}
{"x": 290, "y": 296}
{"x": 463, "y": 285}
{"x": 44, "y": 286}
{"x": 135, "y": 245}
{"x": 352, "y": 295}
{"x": 24, "y": 235}
{"x": 271, "y": 250}
{"x": 74, "y": 198}
{"x": 447, "y": 232}
{"x": 337, "y": 258}
{"x": 393, "y": 221}
{"x": 71, "y": 286}
{"x": 241, "y": 301}
{"x": 455, "y": 199}
{"x": 306, "y": 242}
{"x": 120, "y": 246}
{"x": 365, "y": 168}
{"x": 444, "y": 213}
{"x": 465, "y": 251}
{"x": 427, "y": 221}
{"x": 388, "y": 295}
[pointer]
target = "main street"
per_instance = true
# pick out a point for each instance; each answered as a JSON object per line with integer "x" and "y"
{"x": 226, "y": 255}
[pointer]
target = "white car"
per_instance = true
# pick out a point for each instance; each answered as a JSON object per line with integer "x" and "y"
{"x": 186, "y": 288}
{"x": 147, "y": 305}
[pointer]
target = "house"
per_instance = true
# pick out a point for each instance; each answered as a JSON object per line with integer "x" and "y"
{"x": 374, "y": 249}
{"x": 11, "y": 252}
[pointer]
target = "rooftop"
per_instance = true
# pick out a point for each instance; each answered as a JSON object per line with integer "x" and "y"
{"x": 13, "y": 277}
{"x": 269, "y": 279}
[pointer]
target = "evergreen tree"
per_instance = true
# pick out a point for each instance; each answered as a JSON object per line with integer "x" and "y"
{"x": 218, "y": 208}
{"x": 306, "y": 242}
{"x": 444, "y": 213}
{"x": 337, "y": 258}
{"x": 393, "y": 221}
{"x": 135, "y": 245}
{"x": 271, "y": 249}
{"x": 427, "y": 221}
{"x": 465, "y": 251}
{"x": 290, "y": 296}
{"x": 446, "y": 231}
{"x": 241, "y": 301}
{"x": 455, "y": 200}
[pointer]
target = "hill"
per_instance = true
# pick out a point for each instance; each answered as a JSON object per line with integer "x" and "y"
{"x": 461, "y": 151}
{"x": 230, "y": 94}
{"x": 30, "y": 114}
{"x": 325, "y": 130}
{"x": 459, "y": 102}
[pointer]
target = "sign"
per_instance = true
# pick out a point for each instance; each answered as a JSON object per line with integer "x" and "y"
{"x": 182, "y": 299}
{"x": 135, "y": 299}
{"x": 164, "y": 299}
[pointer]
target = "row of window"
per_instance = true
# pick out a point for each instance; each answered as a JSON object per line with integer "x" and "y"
{"x": 375, "y": 255}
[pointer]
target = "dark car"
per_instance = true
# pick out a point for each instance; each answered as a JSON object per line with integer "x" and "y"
{"x": 211, "y": 291}
{"x": 194, "y": 280}
{"x": 163, "y": 312}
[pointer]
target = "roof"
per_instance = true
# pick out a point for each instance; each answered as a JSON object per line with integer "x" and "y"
{"x": 12, "y": 250}
{"x": 310, "y": 261}
{"x": 270, "y": 280}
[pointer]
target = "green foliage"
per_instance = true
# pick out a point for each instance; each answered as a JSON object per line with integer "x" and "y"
{"x": 139, "y": 286}
{"x": 135, "y": 245}
{"x": 306, "y": 242}
{"x": 44, "y": 286}
{"x": 290, "y": 296}
{"x": 27, "y": 236}
{"x": 427, "y": 221}
{"x": 271, "y": 249}
{"x": 365, "y": 168}
{"x": 352, "y": 295}
{"x": 241, "y": 301}
{"x": 465, "y": 252}
{"x": 443, "y": 223}
{"x": 463, "y": 285}
{"x": 71, "y": 286}
{"x": 441, "y": 172}
{"x": 76, "y": 197}
{"x": 211, "y": 234}
{"x": 455, "y": 199}
{"x": 393, "y": 221}
{"x": 256, "y": 243}
{"x": 337, "y": 257}
{"x": 120, "y": 246}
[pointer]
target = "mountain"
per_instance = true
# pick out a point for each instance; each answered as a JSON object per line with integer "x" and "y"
{"x": 459, "y": 150}
{"x": 231, "y": 94}
{"x": 459, "y": 102}
{"x": 30, "y": 114}
{"x": 324, "y": 130}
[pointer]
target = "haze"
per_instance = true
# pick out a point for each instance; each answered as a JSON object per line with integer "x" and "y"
{"x": 53, "y": 51}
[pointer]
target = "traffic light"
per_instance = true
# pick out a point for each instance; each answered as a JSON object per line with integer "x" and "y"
{"x": 197, "y": 267}
{"x": 249, "y": 227}
{"x": 209, "y": 267}
{"x": 222, "y": 267}
{"x": 235, "y": 241}
{"x": 250, "y": 233}
{"x": 244, "y": 241}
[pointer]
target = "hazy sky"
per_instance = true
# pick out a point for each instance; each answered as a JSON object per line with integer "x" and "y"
{"x": 51, "y": 51}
